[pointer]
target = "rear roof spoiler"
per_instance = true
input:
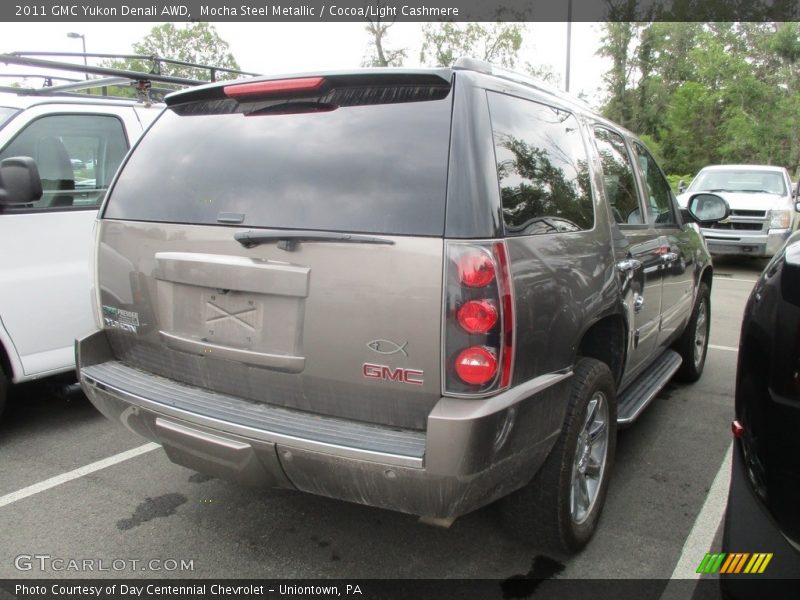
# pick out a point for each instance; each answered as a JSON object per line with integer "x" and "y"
{"x": 333, "y": 79}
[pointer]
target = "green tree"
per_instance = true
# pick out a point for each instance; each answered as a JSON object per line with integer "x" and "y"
{"x": 707, "y": 92}
{"x": 544, "y": 73}
{"x": 192, "y": 42}
{"x": 616, "y": 46}
{"x": 378, "y": 54}
{"x": 497, "y": 43}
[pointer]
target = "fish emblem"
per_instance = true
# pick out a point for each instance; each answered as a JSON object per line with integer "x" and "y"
{"x": 387, "y": 347}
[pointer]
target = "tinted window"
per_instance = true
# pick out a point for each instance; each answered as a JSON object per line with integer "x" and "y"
{"x": 372, "y": 169}
{"x": 618, "y": 179}
{"x": 77, "y": 155}
{"x": 541, "y": 166}
{"x": 659, "y": 199}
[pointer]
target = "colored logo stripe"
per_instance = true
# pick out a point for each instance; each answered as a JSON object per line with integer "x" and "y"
{"x": 711, "y": 563}
{"x": 735, "y": 562}
{"x": 758, "y": 563}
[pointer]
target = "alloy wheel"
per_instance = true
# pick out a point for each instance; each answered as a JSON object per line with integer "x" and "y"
{"x": 591, "y": 452}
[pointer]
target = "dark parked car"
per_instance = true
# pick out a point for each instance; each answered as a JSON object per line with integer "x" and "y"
{"x": 763, "y": 515}
{"x": 423, "y": 290}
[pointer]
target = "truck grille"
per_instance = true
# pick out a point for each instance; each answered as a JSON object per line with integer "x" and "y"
{"x": 749, "y": 213}
{"x": 737, "y": 226}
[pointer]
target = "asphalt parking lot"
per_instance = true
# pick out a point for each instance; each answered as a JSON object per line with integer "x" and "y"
{"x": 662, "y": 514}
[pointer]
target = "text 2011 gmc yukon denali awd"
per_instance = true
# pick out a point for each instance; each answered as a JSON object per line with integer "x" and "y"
{"x": 423, "y": 290}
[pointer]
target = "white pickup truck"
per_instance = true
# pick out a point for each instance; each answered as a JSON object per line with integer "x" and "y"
{"x": 762, "y": 201}
{"x": 77, "y": 141}
{"x": 45, "y": 246}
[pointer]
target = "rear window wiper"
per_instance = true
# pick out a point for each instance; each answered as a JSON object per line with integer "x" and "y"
{"x": 288, "y": 240}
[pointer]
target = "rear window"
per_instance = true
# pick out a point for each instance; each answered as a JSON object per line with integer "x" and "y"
{"x": 372, "y": 169}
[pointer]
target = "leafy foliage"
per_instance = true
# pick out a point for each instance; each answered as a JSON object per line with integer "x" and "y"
{"x": 378, "y": 54}
{"x": 497, "y": 43}
{"x": 704, "y": 93}
{"x": 193, "y": 42}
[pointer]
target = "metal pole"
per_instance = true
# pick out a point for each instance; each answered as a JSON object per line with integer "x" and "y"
{"x": 569, "y": 40}
{"x": 74, "y": 35}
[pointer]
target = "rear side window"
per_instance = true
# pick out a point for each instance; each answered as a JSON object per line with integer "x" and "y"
{"x": 659, "y": 196}
{"x": 542, "y": 167}
{"x": 374, "y": 169}
{"x": 77, "y": 155}
{"x": 618, "y": 177}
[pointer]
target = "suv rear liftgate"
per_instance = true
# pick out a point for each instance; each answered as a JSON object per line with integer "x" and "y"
{"x": 272, "y": 297}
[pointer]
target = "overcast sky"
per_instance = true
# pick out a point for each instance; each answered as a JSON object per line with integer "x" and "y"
{"x": 273, "y": 48}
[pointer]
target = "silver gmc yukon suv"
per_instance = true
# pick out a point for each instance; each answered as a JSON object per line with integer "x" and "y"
{"x": 422, "y": 290}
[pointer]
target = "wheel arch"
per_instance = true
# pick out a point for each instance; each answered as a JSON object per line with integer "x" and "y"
{"x": 9, "y": 361}
{"x": 707, "y": 276}
{"x": 605, "y": 340}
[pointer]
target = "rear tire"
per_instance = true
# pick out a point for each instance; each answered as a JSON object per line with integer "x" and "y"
{"x": 693, "y": 343}
{"x": 559, "y": 509}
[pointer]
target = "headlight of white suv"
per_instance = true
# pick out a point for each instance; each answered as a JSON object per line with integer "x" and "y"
{"x": 780, "y": 219}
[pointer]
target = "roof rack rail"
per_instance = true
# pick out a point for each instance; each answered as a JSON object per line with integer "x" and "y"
{"x": 78, "y": 87}
{"x": 48, "y": 78}
{"x": 156, "y": 62}
{"x": 141, "y": 81}
{"x": 482, "y": 66}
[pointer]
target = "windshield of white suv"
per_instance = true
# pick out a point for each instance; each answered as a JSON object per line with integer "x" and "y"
{"x": 5, "y": 114}
{"x": 733, "y": 180}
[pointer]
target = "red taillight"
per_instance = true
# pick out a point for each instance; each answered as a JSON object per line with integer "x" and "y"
{"x": 476, "y": 269}
{"x": 478, "y": 349}
{"x": 507, "y": 304}
{"x": 476, "y": 365}
{"x": 278, "y": 86}
{"x": 477, "y": 316}
{"x": 737, "y": 429}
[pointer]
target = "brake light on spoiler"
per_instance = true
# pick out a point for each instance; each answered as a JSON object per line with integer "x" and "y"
{"x": 260, "y": 89}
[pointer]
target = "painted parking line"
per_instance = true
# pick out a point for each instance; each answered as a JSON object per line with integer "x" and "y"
{"x": 723, "y": 278}
{"x": 701, "y": 537}
{"x": 75, "y": 474}
{"x": 726, "y": 348}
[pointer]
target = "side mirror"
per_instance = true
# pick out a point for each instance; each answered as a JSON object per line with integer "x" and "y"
{"x": 19, "y": 181}
{"x": 707, "y": 209}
